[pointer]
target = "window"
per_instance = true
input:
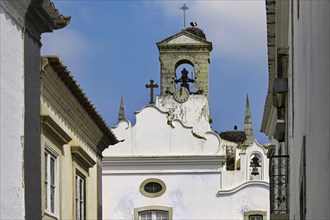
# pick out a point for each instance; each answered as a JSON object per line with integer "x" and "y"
{"x": 50, "y": 181}
{"x": 80, "y": 196}
{"x": 153, "y": 215}
{"x": 152, "y": 187}
{"x": 255, "y": 217}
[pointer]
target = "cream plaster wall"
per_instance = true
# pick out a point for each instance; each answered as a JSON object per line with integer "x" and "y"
{"x": 67, "y": 170}
{"x": 58, "y": 103}
{"x": 12, "y": 118}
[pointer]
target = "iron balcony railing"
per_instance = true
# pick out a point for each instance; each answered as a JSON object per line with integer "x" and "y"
{"x": 279, "y": 184}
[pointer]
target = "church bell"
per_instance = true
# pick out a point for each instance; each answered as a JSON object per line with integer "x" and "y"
{"x": 255, "y": 164}
{"x": 255, "y": 171}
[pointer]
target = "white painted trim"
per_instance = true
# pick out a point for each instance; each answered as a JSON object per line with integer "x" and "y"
{"x": 244, "y": 185}
{"x": 165, "y": 160}
{"x": 51, "y": 152}
{"x": 151, "y": 106}
{"x": 159, "y": 172}
{"x": 163, "y": 165}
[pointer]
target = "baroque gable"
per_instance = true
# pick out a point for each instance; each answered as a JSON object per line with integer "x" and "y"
{"x": 164, "y": 137}
{"x": 182, "y": 38}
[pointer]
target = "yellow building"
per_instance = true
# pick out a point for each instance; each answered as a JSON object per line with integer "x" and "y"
{"x": 73, "y": 136}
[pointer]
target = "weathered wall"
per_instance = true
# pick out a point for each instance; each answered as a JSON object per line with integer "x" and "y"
{"x": 200, "y": 61}
{"x": 184, "y": 48}
{"x": 310, "y": 106}
{"x": 22, "y": 23}
{"x": 193, "y": 113}
{"x": 12, "y": 118}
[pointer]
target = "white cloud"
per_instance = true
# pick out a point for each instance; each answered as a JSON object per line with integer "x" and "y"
{"x": 69, "y": 44}
{"x": 236, "y": 28}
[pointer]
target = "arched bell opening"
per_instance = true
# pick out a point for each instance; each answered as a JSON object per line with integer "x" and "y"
{"x": 255, "y": 166}
{"x": 185, "y": 75}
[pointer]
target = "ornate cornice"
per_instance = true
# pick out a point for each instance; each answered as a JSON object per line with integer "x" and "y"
{"x": 163, "y": 165}
{"x": 35, "y": 16}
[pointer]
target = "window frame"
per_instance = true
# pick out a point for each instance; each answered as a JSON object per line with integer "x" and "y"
{"x": 252, "y": 217}
{"x": 152, "y": 195}
{"x": 51, "y": 181}
{"x": 168, "y": 210}
{"x": 80, "y": 197}
{"x": 153, "y": 214}
{"x": 251, "y": 213}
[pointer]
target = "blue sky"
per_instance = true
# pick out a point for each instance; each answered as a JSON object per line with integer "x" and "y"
{"x": 110, "y": 49}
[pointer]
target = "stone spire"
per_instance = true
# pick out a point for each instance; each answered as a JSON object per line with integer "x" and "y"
{"x": 248, "y": 124}
{"x": 121, "y": 114}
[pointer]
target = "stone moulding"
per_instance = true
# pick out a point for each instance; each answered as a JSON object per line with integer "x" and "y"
{"x": 81, "y": 156}
{"x": 54, "y": 131}
{"x": 224, "y": 192}
{"x": 165, "y": 164}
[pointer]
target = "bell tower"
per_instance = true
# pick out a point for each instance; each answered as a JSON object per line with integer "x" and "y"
{"x": 184, "y": 94}
{"x": 186, "y": 47}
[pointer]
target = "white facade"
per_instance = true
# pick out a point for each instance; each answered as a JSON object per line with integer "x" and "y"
{"x": 192, "y": 169}
{"x": 20, "y": 28}
{"x": 173, "y": 147}
{"x": 302, "y": 28}
{"x": 12, "y": 117}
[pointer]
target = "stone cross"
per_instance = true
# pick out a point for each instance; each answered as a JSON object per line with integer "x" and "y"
{"x": 184, "y": 8}
{"x": 151, "y": 86}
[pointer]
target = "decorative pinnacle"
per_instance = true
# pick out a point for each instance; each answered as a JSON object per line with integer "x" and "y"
{"x": 184, "y": 8}
{"x": 248, "y": 123}
{"x": 121, "y": 115}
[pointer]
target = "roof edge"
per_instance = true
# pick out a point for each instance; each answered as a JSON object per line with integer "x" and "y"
{"x": 85, "y": 102}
